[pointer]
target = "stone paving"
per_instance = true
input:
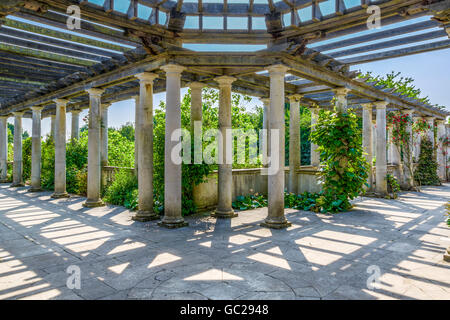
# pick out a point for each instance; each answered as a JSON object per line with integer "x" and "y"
{"x": 319, "y": 257}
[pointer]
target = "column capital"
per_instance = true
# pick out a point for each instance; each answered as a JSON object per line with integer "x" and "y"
{"x": 146, "y": 76}
{"x": 4, "y": 117}
{"x": 381, "y": 104}
{"x": 367, "y": 106}
{"x": 408, "y": 111}
{"x": 196, "y": 85}
{"x": 341, "y": 91}
{"x": 61, "y": 102}
{"x": 106, "y": 105}
{"x": 225, "y": 80}
{"x": 173, "y": 68}
{"x": 75, "y": 111}
{"x": 429, "y": 118}
{"x": 36, "y": 108}
{"x": 265, "y": 100}
{"x": 295, "y": 97}
{"x": 95, "y": 92}
{"x": 18, "y": 113}
{"x": 440, "y": 122}
{"x": 277, "y": 69}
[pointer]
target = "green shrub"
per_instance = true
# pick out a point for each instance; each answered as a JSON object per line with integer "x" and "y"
{"x": 123, "y": 190}
{"x": 344, "y": 169}
{"x": 426, "y": 172}
{"x": 448, "y": 213}
{"x": 250, "y": 202}
{"x": 393, "y": 186}
{"x": 48, "y": 164}
{"x": 26, "y": 159}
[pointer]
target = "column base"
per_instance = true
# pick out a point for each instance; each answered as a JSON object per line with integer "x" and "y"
{"x": 93, "y": 203}
{"x": 274, "y": 224}
{"x": 60, "y": 195}
{"x": 17, "y": 185}
{"x": 33, "y": 189}
{"x": 224, "y": 214}
{"x": 173, "y": 224}
{"x": 144, "y": 216}
{"x": 447, "y": 255}
{"x": 4, "y": 181}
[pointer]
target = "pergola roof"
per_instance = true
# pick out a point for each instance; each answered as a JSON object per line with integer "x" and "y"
{"x": 40, "y": 60}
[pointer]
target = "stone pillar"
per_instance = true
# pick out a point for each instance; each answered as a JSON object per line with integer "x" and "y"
{"x": 341, "y": 99}
{"x": 75, "y": 134}
{"x": 94, "y": 165}
{"x": 393, "y": 154}
{"x": 225, "y": 183}
{"x": 430, "y": 121}
{"x": 275, "y": 216}
{"x": 381, "y": 164}
{"x": 3, "y": 148}
{"x": 264, "y": 142}
{"x": 136, "y": 138}
{"x": 144, "y": 125}
{"x": 104, "y": 134}
{"x": 60, "y": 150}
{"x": 196, "y": 119}
{"x": 368, "y": 141}
{"x": 315, "y": 155}
{"x": 17, "y": 166}
{"x": 294, "y": 142}
{"x": 172, "y": 167}
{"x": 408, "y": 180}
{"x": 441, "y": 151}
{"x": 36, "y": 157}
{"x": 416, "y": 153}
{"x": 52, "y": 126}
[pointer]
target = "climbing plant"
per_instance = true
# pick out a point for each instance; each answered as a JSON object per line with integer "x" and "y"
{"x": 426, "y": 172}
{"x": 344, "y": 171}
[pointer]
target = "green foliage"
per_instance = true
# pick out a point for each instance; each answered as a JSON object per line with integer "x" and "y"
{"x": 250, "y": 202}
{"x": 26, "y": 159}
{"x": 402, "y": 85}
{"x": 393, "y": 186}
{"x": 48, "y": 164}
{"x": 120, "y": 148}
{"x": 448, "y": 213}
{"x": 426, "y": 172}
{"x": 306, "y": 201}
{"x": 344, "y": 170}
{"x": 124, "y": 190}
{"x": 76, "y": 165}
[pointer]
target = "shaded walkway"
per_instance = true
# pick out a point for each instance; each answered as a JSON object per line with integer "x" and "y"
{"x": 318, "y": 257}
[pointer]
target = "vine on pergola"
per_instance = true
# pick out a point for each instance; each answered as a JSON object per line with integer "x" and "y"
{"x": 405, "y": 135}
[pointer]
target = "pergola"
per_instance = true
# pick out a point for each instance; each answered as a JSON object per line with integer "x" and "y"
{"x": 134, "y": 48}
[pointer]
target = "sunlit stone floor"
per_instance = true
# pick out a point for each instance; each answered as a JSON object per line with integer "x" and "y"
{"x": 319, "y": 257}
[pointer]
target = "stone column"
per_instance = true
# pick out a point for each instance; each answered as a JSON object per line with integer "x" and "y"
{"x": 196, "y": 119}
{"x": 17, "y": 166}
{"x": 172, "y": 167}
{"x": 3, "y": 148}
{"x": 441, "y": 151}
{"x": 264, "y": 142}
{"x": 52, "y": 125}
{"x": 60, "y": 150}
{"x": 381, "y": 163}
{"x": 407, "y": 178}
{"x": 315, "y": 155}
{"x": 341, "y": 99}
{"x": 368, "y": 141}
{"x": 225, "y": 183}
{"x": 75, "y": 134}
{"x": 430, "y": 121}
{"x": 36, "y": 157}
{"x": 104, "y": 134}
{"x": 144, "y": 125}
{"x": 294, "y": 142}
{"x": 275, "y": 216}
{"x": 136, "y": 138}
{"x": 416, "y": 153}
{"x": 94, "y": 165}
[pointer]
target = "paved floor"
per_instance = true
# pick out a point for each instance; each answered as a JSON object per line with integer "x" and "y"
{"x": 319, "y": 257}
